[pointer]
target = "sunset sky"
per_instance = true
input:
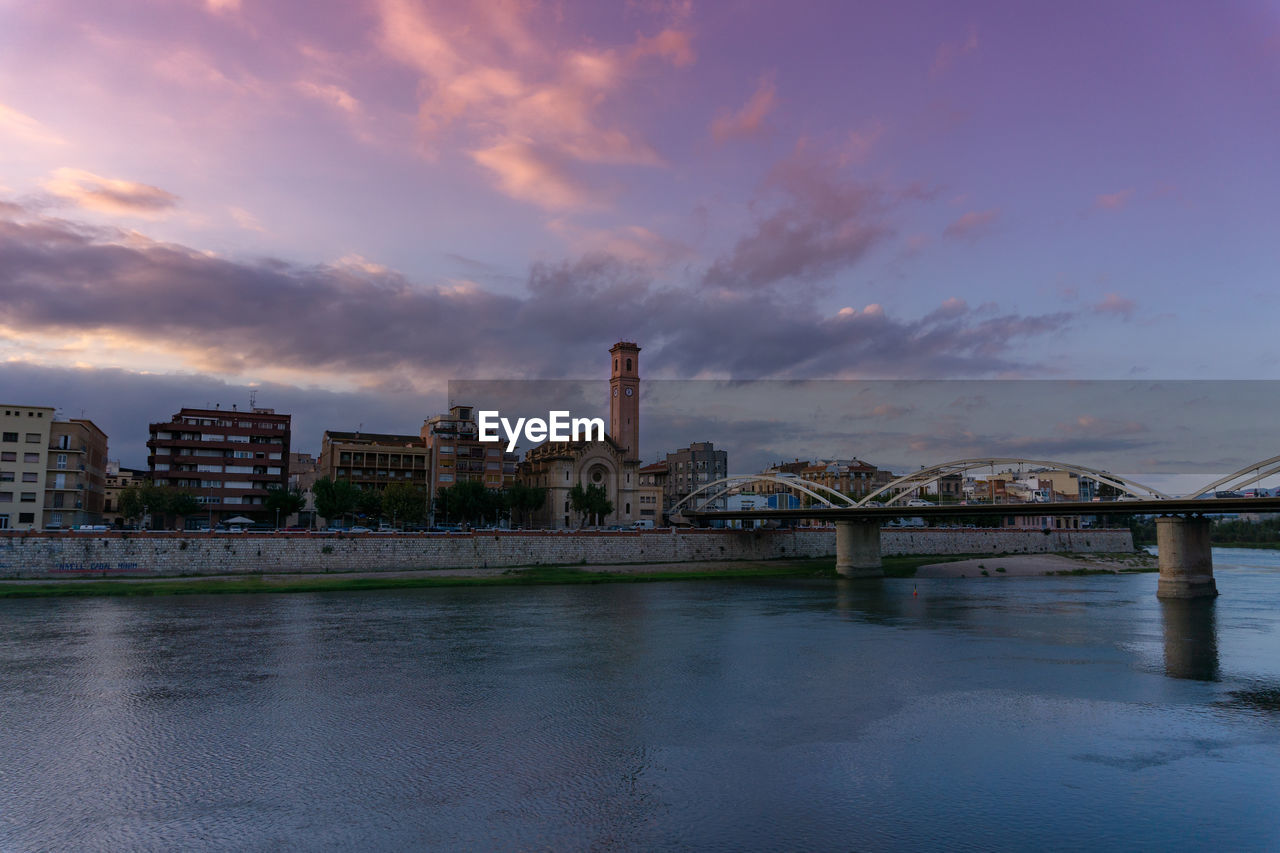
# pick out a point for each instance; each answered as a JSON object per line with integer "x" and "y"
{"x": 347, "y": 204}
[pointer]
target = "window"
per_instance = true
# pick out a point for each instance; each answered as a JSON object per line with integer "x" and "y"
{"x": 62, "y": 461}
{"x": 10, "y": 436}
{"x": 6, "y": 497}
{"x": 28, "y": 497}
{"x": 4, "y": 522}
{"x": 58, "y": 498}
{"x": 8, "y": 457}
{"x": 26, "y": 518}
{"x": 29, "y": 476}
{"x": 31, "y": 457}
{"x": 60, "y": 481}
{"x": 6, "y": 476}
{"x": 446, "y": 478}
{"x": 64, "y": 442}
{"x": 33, "y": 438}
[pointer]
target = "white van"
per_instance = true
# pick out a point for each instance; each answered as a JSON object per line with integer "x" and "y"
{"x": 643, "y": 524}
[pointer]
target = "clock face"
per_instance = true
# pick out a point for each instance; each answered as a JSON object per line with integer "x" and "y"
{"x": 629, "y": 391}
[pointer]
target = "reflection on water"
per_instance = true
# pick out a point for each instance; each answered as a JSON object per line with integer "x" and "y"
{"x": 1190, "y": 638}
{"x": 1012, "y": 713}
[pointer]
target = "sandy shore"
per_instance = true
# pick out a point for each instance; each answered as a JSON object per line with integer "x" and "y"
{"x": 1027, "y": 565}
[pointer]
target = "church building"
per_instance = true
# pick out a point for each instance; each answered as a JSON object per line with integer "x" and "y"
{"x": 612, "y": 463}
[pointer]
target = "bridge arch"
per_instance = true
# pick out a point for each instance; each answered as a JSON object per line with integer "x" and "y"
{"x": 1256, "y": 469}
{"x": 925, "y": 475}
{"x": 817, "y": 491}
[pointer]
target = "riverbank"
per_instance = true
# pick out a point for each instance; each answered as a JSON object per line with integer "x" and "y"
{"x": 902, "y": 566}
{"x": 1037, "y": 565}
{"x": 339, "y": 581}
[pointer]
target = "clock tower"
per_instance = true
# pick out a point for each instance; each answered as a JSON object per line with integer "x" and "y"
{"x": 624, "y": 398}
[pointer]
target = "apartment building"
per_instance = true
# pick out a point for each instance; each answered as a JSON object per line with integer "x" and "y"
{"x": 458, "y": 455}
{"x": 226, "y": 459}
{"x": 24, "y": 453}
{"x": 693, "y": 467}
{"x": 374, "y": 460}
{"x": 76, "y": 475}
{"x": 653, "y": 483}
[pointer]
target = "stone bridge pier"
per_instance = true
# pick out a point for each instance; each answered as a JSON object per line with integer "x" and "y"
{"x": 858, "y": 549}
{"x": 1186, "y": 563}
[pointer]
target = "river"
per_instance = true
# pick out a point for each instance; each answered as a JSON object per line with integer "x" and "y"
{"x": 1000, "y": 713}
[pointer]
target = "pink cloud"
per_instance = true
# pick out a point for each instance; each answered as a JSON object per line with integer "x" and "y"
{"x": 675, "y": 46}
{"x": 531, "y": 111}
{"x": 523, "y": 172}
{"x": 1113, "y": 201}
{"x": 972, "y": 224}
{"x": 750, "y": 119}
{"x": 110, "y": 195}
{"x": 630, "y": 243}
{"x": 860, "y": 142}
{"x": 1114, "y": 303}
{"x": 950, "y": 51}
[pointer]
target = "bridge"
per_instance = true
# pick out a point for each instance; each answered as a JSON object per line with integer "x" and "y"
{"x": 1182, "y": 523}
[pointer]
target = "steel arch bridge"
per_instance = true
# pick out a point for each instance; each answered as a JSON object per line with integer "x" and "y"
{"x": 819, "y": 492}
{"x": 901, "y": 487}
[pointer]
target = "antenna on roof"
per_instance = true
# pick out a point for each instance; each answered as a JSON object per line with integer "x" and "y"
{"x": 253, "y": 398}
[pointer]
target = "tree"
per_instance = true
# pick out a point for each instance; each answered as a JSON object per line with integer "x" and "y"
{"x": 592, "y": 502}
{"x": 131, "y": 503}
{"x": 405, "y": 503}
{"x": 180, "y": 504}
{"x": 334, "y": 498}
{"x": 369, "y": 503}
{"x": 523, "y": 500}
{"x": 284, "y": 502}
{"x": 468, "y": 501}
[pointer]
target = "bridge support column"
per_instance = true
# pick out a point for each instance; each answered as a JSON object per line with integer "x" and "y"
{"x": 858, "y": 549}
{"x": 1186, "y": 563}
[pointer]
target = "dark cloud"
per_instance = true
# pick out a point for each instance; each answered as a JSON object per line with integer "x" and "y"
{"x": 240, "y": 316}
{"x": 825, "y": 223}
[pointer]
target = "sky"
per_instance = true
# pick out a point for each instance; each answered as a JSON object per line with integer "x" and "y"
{"x": 346, "y": 205}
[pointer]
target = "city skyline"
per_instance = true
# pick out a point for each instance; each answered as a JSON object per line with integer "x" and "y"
{"x": 350, "y": 207}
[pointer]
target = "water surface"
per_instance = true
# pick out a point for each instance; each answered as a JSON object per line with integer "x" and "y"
{"x": 1001, "y": 713}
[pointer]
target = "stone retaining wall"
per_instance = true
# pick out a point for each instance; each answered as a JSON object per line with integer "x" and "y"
{"x": 134, "y": 554}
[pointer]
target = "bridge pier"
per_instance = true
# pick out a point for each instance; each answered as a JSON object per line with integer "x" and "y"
{"x": 1186, "y": 563}
{"x": 858, "y": 549}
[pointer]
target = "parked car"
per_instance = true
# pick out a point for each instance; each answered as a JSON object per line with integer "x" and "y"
{"x": 358, "y": 529}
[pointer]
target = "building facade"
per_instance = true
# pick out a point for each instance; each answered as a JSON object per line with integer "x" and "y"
{"x": 653, "y": 484}
{"x": 24, "y": 452}
{"x": 457, "y": 455}
{"x": 76, "y": 480}
{"x": 226, "y": 459}
{"x": 374, "y": 460}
